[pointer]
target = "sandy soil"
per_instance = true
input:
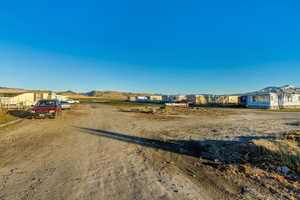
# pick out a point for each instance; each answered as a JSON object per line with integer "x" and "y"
{"x": 98, "y": 152}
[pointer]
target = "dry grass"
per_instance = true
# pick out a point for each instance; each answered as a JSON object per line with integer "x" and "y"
{"x": 194, "y": 111}
{"x": 149, "y": 111}
{"x": 158, "y": 112}
{"x": 4, "y": 118}
{"x": 282, "y": 152}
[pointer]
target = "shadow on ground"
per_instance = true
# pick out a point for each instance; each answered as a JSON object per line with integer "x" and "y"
{"x": 292, "y": 123}
{"x": 228, "y": 152}
{"x": 190, "y": 148}
{"x": 243, "y": 154}
{"x": 250, "y": 138}
{"x": 241, "y": 151}
{"x": 19, "y": 113}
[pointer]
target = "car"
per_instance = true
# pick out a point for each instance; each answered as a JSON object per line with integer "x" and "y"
{"x": 45, "y": 108}
{"x": 71, "y": 101}
{"x": 65, "y": 105}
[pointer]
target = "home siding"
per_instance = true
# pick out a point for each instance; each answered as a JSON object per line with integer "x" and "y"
{"x": 201, "y": 100}
{"x": 156, "y": 98}
{"x": 25, "y": 99}
{"x": 259, "y": 104}
{"x": 290, "y": 101}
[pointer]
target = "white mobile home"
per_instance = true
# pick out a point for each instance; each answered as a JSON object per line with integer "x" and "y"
{"x": 156, "y": 98}
{"x": 142, "y": 99}
{"x": 15, "y": 98}
{"x": 22, "y": 98}
{"x": 274, "y": 98}
{"x": 177, "y": 98}
{"x": 132, "y": 98}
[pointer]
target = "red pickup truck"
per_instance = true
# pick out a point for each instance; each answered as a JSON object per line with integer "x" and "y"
{"x": 45, "y": 108}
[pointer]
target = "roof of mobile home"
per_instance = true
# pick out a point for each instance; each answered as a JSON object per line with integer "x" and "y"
{"x": 20, "y": 91}
{"x": 12, "y": 91}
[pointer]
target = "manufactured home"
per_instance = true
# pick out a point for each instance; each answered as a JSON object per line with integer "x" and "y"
{"x": 132, "y": 98}
{"x": 197, "y": 99}
{"x": 41, "y": 94}
{"x": 167, "y": 99}
{"x": 227, "y": 100}
{"x": 22, "y": 98}
{"x": 142, "y": 99}
{"x": 177, "y": 98}
{"x": 207, "y": 99}
{"x": 274, "y": 98}
{"x": 156, "y": 98}
{"x": 16, "y": 98}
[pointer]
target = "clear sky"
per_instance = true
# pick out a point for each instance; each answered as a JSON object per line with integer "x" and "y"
{"x": 161, "y": 46}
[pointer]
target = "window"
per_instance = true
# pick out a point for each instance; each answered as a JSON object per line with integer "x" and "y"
{"x": 254, "y": 99}
{"x": 46, "y": 103}
{"x": 260, "y": 98}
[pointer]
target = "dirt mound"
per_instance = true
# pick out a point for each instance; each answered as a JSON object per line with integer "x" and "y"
{"x": 156, "y": 112}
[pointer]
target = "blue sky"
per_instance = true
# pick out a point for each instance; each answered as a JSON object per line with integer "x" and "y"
{"x": 150, "y": 46}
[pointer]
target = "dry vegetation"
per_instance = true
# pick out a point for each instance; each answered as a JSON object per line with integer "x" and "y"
{"x": 158, "y": 112}
{"x": 284, "y": 151}
{"x": 193, "y": 111}
{"x": 5, "y": 117}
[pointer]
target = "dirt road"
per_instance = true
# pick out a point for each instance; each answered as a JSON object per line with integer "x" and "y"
{"x": 97, "y": 152}
{"x": 58, "y": 159}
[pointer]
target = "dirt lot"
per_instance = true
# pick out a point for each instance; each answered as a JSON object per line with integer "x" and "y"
{"x": 98, "y": 151}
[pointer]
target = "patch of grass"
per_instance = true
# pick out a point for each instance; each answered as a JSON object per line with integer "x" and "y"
{"x": 4, "y": 118}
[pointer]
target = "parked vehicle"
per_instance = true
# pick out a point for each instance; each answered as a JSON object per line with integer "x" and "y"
{"x": 45, "y": 108}
{"x": 65, "y": 105}
{"x": 72, "y": 101}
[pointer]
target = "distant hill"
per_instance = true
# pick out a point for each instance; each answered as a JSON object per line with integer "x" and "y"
{"x": 10, "y": 88}
{"x": 67, "y": 93}
{"x": 94, "y": 93}
{"x": 101, "y": 94}
{"x": 113, "y": 94}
